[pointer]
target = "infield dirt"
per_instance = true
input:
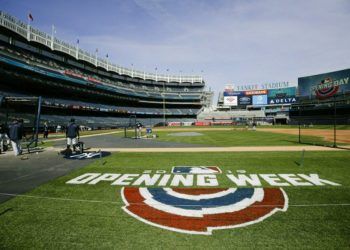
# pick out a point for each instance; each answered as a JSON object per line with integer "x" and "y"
{"x": 343, "y": 136}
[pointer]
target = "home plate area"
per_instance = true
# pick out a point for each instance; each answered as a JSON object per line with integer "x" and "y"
{"x": 86, "y": 155}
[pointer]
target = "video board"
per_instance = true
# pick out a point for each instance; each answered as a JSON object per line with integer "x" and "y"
{"x": 324, "y": 86}
{"x": 282, "y": 93}
{"x": 260, "y": 97}
{"x": 282, "y": 96}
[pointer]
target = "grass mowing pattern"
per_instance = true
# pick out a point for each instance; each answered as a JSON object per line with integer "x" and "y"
{"x": 43, "y": 223}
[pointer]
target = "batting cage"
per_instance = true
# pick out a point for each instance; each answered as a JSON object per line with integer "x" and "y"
{"x": 130, "y": 129}
{"x": 27, "y": 111}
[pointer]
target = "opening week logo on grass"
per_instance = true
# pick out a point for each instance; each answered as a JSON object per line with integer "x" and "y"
{"x": 162, "y": 203}
{"x": 202, "y": 210}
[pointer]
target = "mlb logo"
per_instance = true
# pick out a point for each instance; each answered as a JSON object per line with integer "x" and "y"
{"x": 196, "y": 170}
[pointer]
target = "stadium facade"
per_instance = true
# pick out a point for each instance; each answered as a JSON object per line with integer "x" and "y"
{"x": 263, "y": 103}
{"x": 317, "y": 99}
{"x": 73, "y": 82}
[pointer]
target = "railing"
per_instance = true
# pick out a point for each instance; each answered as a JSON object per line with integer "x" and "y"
{"x": 32, "y": 34}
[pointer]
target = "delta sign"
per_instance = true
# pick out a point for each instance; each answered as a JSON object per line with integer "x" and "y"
{"x": 169, "y": 201}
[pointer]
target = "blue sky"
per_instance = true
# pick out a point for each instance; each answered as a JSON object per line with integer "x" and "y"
{"x": 231, "y": 41}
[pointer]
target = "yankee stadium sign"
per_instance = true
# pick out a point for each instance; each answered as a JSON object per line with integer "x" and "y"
{"x": 275, "y": 85}
{"x": 161, "y": 202}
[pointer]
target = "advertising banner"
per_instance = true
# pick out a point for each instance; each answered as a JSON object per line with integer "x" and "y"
{"x": 285, "y": 100}
{"x": 174, "y": 124}
{"x": 202, "y": 123}
{"x": 245, "y": 100}
{"x": 256, "y": 92}
{"x": 259, "y": 99}
{"x": 230, "y": 100}
{"x": 233, "y": 93}
{"x": 325, "y": 85}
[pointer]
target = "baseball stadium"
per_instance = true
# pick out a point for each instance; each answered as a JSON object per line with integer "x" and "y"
{"x": 95, "y": 155}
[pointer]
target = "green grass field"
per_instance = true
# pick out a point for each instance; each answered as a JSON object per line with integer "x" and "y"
{"x": 59, "y": 215}
{"x": 306, "y": 126}
{"x": 236, "y": 138}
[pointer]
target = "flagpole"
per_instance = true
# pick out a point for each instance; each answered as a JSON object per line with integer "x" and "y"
{"x": 77, "y": 50}
{"x": 52, "y": 36}
{"x": 164, "y": 119}
{"x": 96, "y": 57}
{"x": 28, "y": 27}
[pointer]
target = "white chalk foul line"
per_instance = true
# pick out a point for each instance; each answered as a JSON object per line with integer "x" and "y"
{"x": 57, "y": 198}
{"x": 142, "y": 204}
{"x": 83, "y": 136}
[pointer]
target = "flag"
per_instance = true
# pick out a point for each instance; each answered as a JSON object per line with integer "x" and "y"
{"x": 30, "y": 17}
{"x": 107, "y": 55}
{"x": 96, "y": 51}
{"x": 77, "y": 41}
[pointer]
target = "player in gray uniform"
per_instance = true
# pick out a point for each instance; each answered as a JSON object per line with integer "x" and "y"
{"x": 72, "y": 134}
{"x": 139, "y": 130}
{"x": 15, "y": 134}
